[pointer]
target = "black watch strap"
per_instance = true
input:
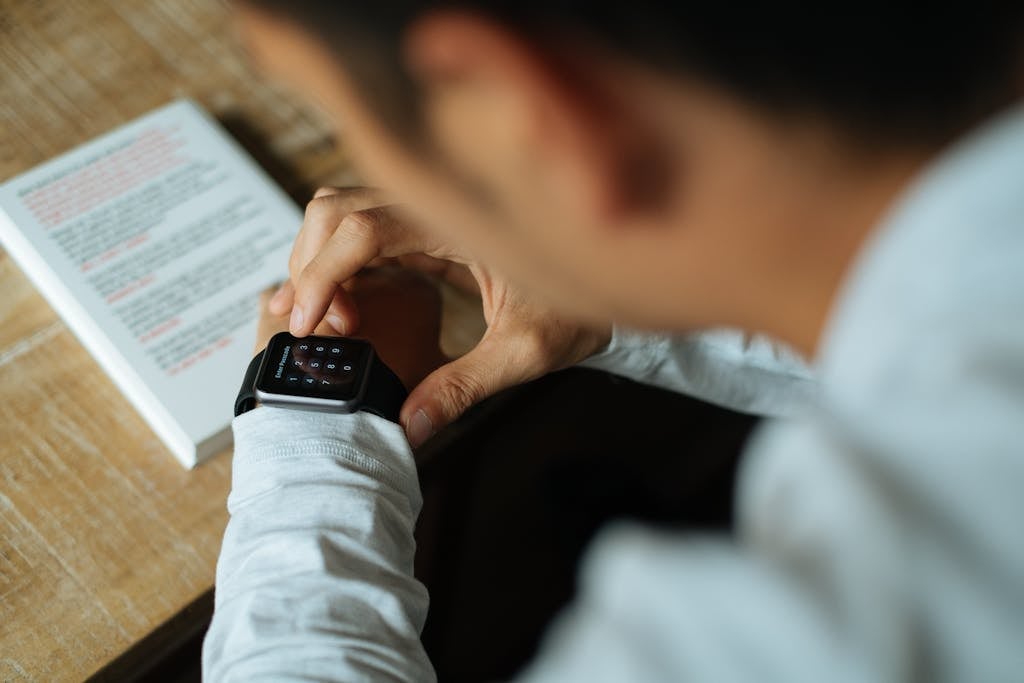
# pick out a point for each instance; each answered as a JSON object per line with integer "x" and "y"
{"x": 384, "y": 393}
{"x": 246, "y": 400}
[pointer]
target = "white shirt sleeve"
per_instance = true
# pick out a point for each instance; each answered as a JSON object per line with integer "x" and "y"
{"x": 315, "y": 576}
{"x": 750, "y": 374}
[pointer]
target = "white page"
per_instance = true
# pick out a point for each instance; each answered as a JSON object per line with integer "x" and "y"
{"x": 153, "y": 243}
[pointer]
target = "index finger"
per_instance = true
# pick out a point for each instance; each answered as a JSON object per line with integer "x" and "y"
{"x": 361, "y": 237}
{"x": 324, "y": 213}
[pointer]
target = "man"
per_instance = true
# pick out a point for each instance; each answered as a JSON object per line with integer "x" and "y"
{"x": 847, "y": 185}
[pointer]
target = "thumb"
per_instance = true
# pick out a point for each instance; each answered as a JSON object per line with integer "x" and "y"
{"x": 455, "y": 387}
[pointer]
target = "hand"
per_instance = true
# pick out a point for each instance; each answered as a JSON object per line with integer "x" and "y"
{"x": 346, "y": 230}
{"x": 400, "y": 313}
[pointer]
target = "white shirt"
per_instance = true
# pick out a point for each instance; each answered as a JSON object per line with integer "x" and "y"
{"x": 881, "y": 524}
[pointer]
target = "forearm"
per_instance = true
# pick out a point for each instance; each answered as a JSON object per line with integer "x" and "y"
{"x": 725, "y": 367}
{"x": 314, "y": 580}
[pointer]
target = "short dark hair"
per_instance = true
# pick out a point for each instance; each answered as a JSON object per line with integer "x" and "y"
{"x": 898, "y": 71}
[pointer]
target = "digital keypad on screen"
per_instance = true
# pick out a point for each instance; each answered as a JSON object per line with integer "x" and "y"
{"x": 325, "y": 367}
{"x": 322, "y": 365}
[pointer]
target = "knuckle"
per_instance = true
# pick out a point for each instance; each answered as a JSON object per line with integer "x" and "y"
{"x": 318, "y": 210}
{"x": 366, "y": 219}
{"x": 326, "y": 191}
{"x": 361, "y": 226}
{"x": 315, "y": 204}
{"x": 458, "y": 392}
{"x": 314, "y": 272}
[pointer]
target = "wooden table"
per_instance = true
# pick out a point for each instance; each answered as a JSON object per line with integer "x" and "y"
{"x": 107, "y": 545}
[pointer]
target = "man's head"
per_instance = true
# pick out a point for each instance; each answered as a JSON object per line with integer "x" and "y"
{"x": 659, "y": 164}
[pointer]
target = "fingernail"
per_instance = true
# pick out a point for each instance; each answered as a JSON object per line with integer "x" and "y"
{"x": 337, "y": 323}
{"x": 297, "y": 319}
{"x": 420, "y": 429}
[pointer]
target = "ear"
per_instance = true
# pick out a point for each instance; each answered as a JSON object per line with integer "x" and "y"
{"x": 528, "y": 120}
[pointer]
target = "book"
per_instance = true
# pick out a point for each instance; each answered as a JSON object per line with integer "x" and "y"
{"x": 153, "y": 243}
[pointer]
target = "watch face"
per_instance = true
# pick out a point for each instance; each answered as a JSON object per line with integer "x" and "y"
{"x": 330, "y": 368}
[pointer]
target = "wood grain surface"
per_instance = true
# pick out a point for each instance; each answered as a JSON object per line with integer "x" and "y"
{"x": 104, "y": 537}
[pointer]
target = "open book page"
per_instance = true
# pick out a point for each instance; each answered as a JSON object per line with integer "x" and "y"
{"x": 153, "y": 243}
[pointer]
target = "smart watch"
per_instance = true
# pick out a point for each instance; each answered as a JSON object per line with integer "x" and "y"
{"x": 329, "y": 374}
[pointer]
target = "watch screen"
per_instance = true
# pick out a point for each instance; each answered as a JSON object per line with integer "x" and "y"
{"x": 324, "y": 367}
